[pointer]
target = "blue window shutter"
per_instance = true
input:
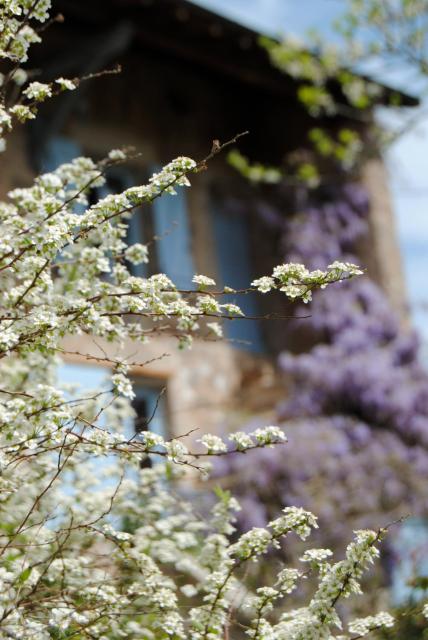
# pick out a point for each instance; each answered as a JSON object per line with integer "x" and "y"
{"x": 234, "y": 265}
{"x": 134, "y": 236}
{"x": 174, "y": 249}
{"x": 123, "y": 179}
{"x": 58, "y": 150}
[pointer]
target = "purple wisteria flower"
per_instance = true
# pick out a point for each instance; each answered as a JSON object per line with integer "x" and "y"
{"x": 356, "y": 411}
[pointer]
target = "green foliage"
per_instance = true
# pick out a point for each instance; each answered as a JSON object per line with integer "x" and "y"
{"x": 410, "y": 625}
{"x": 387, "y": 31}
{"x": 253, "y": 172}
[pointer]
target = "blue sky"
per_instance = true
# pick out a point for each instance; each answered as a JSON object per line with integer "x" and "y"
{"x": 276, "y": 16}
{"x": 406, "y": 161}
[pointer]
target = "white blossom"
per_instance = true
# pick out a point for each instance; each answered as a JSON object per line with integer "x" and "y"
{"x": 242, "y": 440}
{"x": 117, "y": 155}
{"x": 66, "y": 84}
{"x": 215, "y": 328}
{"x": 208, "y": 304}
{"x": 316, "y": 555}
{"x": 269, "y": 435}
{"x": 203, "y": 281}
{"x": 123, "y": 385}
{"x": 189, "y": 590}
{"x": 22, "y": 112}
{"x": 213, "y": 443}
{"x": 363, "y": 626}
{"x": 137, "y": 253}
{"x": 232, "y": 309}
{"x": 151, "y": 439}
{"x": 176, "y": 450}
{"x": 38, "y": 91}
{"x": 264, "y": 284}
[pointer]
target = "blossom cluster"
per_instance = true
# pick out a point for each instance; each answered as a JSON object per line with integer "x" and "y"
{"x": 93, "y": 543}
{"x": 296, "y": 281}
{"x": 18, "y": 31}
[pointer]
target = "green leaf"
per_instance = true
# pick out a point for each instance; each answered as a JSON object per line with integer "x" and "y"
{"x": 222, "y": 494}
{"x": 23, "y": 577}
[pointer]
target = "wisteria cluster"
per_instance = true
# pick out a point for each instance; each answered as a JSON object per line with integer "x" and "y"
{"x": 357, "y": 410}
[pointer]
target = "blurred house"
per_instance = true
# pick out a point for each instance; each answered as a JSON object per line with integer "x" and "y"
{"x": 189, "y": 76}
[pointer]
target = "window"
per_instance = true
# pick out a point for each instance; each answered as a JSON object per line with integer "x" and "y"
{"x": 119, "y": 179}
{"x": 171, "y": 226}
{"x": 411, "y": 551}
{"x": 56, "y": 151}
{"x": 59, "y": 150}
{"x": 84, "y": 381}
{"x": 232, "y": 241}
{"x": 149, "y": 403}
{"x": 167, "y": 221}
{"x": 167, "y": 218}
